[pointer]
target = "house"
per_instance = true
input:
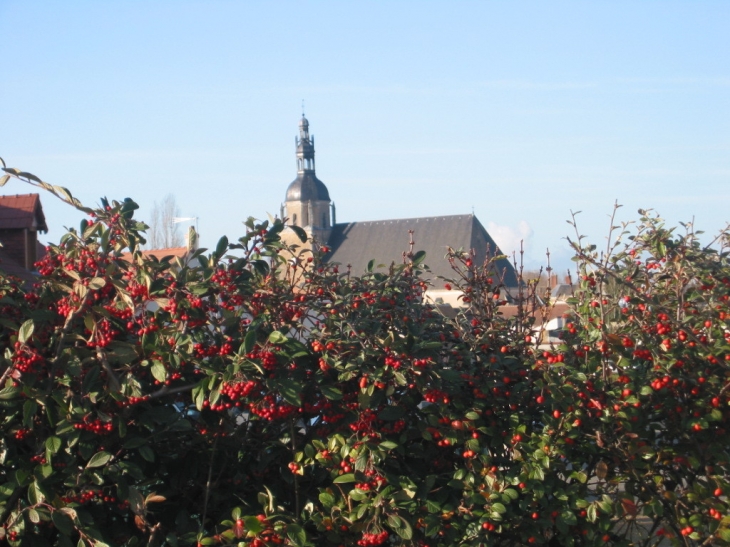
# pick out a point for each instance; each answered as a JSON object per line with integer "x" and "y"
{"x": 172, "y": 253}
{"x": 21, "y": 218}
{"x": 308, "y": 205}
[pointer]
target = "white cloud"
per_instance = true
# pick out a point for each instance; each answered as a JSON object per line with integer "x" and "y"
{"x": 508, "y": 238}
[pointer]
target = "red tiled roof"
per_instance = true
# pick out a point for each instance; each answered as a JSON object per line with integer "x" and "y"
{"x": 159, "y": 254}
{"x": 22, "y": 211}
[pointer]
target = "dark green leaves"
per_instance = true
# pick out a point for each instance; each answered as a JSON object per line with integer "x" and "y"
{"x": 99, "y": 459}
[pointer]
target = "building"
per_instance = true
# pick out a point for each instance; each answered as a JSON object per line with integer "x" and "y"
{"x": 183, "y": 254}
{"x": 308, "y": 205}
{"x": 21, "y": 218}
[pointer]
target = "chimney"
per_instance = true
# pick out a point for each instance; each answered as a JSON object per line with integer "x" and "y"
{"x": 191, "y": 240}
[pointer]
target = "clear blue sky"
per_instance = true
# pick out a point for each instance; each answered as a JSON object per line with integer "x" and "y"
{"x": 522, "y": 111}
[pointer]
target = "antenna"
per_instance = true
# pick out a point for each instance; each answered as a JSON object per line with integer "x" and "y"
{"x": 178, "y": 220}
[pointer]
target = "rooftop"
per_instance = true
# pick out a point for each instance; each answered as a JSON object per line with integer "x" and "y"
{"x": 356, "y": 243}
{"x": 22, "y": 211}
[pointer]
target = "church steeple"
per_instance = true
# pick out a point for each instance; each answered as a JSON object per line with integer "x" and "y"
{"x": 305, "y": 147}
{"x": 308, "y": 203}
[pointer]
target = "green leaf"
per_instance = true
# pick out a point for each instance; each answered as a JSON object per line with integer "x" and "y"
{"x": 99, "y": 459}
{"x": 33, "y": 516}
{"x": 62, "y": 522}
{"x": 35, "y": 496}
{"x": 326, "y": 499}
{"x": 9, "y": 393}
{"x": 605, "y": 505}
{"x": 405, "y": 531}
{"x": 253, "y": 524}
{"x": 357, "y": 495}
{"x": 29, "y": 409}
{"x": 158, "y": 371}
{"x": 418, "y": 257}
{"x": 591, "y": 513}
{"x": 147, "y": 453}
{"x": 289, "y": 389}
{"x": 45, "y": 471}
{"x": 296, "y": 534}
{"x": 499, "y": 508}
{"x": 348, "y": 477}
{"x": 580, "y": 476}
{"x": 277, "y": 338}
{"x": 388, "y": 445}
{"x": 222, "y": 246}
{"x": 332, "y": 393}
{"x": 199, "y": 395}
{"x": 301, "y": 234}
{"x": 26, "y": 331}
{"x": 97, "y": 283}
{"x": 249, "y": 341}
{"x": 569, "y": 518}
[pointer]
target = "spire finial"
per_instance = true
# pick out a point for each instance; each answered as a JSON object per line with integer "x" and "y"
{"x": 302, "y": 108}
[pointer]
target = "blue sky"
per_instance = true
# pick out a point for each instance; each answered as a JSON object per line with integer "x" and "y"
{"x": 519, "y": 111}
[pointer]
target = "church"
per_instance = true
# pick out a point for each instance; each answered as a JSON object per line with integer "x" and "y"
{"x": 308, "y": 205}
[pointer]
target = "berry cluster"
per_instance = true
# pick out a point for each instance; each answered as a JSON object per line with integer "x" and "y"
{"x": 22, "y": 433}
{"x": 436, "y": 396}
{"x": 97, "y": 427}
{"x": 103, "y": 334}
{"x": 238, "y": 390}
{"x": 371, "y": 540}
{"x": 270, "y": 408}
{"x": 267, "y": 358}
{"x": 27, "y": 359}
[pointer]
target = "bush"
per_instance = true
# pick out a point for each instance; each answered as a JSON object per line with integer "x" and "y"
{"x": 217, "y": 401}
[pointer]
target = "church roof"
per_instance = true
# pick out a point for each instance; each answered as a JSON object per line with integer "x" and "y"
{"x": 307, "y": 187}
{"x": 356, "y": 243}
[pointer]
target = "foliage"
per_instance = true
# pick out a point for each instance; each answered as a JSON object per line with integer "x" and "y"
{"x": 255, "y": 395}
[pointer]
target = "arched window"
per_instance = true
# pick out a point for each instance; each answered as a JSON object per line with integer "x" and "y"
{"x": 294, "y": 219}
{"x": 324, "y": 220}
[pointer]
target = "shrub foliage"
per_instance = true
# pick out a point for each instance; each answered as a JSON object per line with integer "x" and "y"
{"x": 255, "y": 395}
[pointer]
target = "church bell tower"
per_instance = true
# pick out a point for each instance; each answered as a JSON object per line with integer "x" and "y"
{"x": 308, "y": 203}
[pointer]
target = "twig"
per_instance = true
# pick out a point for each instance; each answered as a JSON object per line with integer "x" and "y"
{"x": 208, "y": 482}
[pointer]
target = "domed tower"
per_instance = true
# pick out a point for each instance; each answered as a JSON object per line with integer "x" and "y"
{"x": 308, "y": 203}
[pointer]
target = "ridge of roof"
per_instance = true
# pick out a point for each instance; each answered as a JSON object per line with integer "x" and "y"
{"x": 412, "y": 219}
{"x": 355, "y": 243}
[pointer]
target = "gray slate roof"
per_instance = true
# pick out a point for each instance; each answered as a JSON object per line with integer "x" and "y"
{"x": 356, "y": 243}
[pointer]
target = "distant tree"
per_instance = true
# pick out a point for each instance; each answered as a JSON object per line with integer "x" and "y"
{"x": 163, "y": 232}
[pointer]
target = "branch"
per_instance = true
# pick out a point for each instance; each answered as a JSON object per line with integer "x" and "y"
{"x": 208, "y": 482}
{"x": 113, "y": 380}
{"x": 166, "y": 390}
